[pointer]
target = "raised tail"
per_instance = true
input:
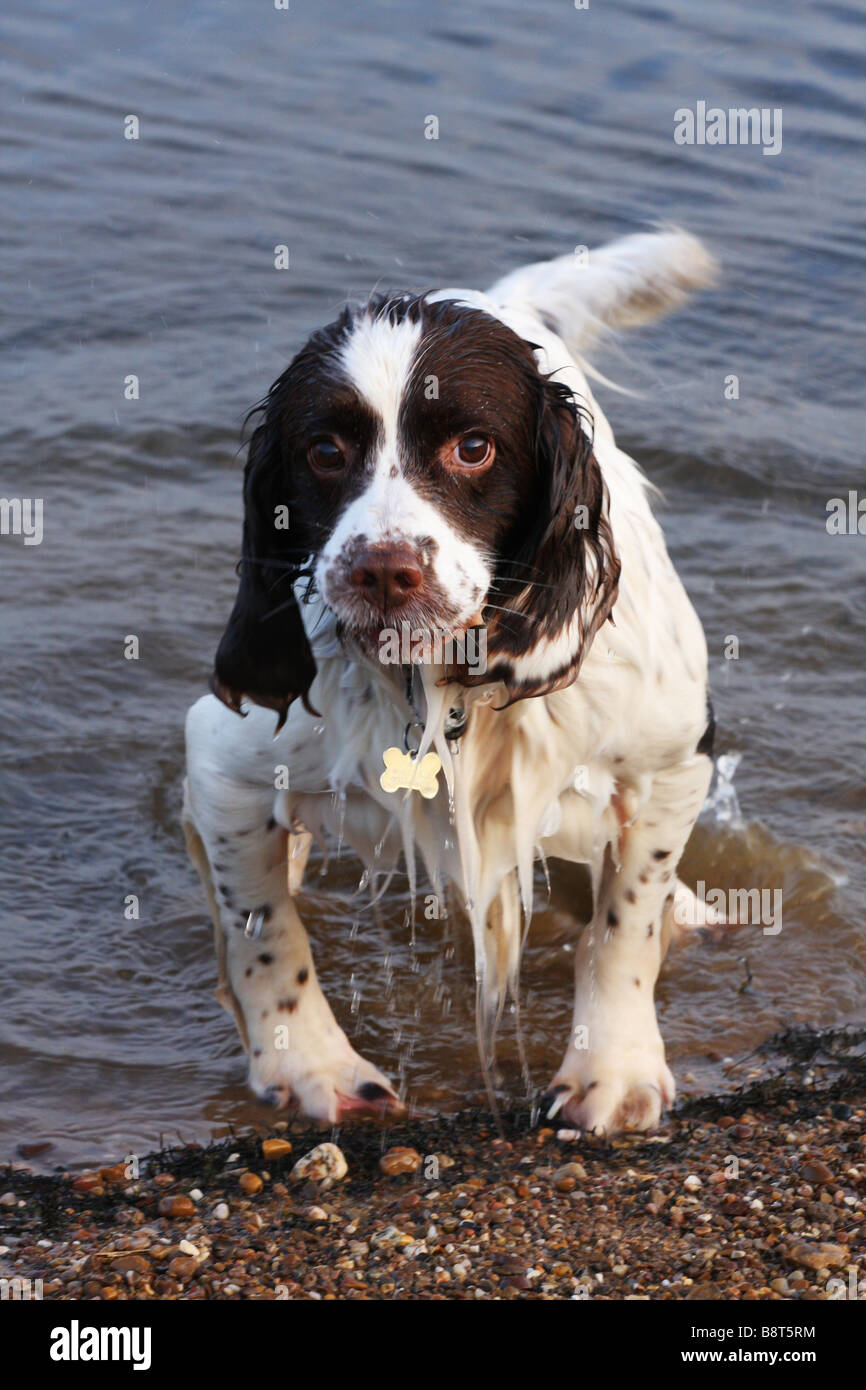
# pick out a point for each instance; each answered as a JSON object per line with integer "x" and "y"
{"x": 621, "y": 285}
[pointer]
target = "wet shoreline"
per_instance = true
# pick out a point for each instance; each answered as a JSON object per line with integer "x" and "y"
{"x": 758, "y": 1193}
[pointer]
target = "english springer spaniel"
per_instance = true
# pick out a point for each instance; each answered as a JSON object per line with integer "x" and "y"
{"x": 435, "y": 465}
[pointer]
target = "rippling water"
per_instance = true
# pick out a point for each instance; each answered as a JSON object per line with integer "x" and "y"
{"x": 155, "y": 258}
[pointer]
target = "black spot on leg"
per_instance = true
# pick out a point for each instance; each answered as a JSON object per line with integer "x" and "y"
{"x": 288, "y": 1005}
{"x": 271, "y": 823}
{"x": 267, "y": 912}
{"x": 303, "y": 976}
{"x": 669, "y": 899}
{"x": 248, "y": 972}
{"x": 612, "y": 919}
{"x": 644, "y": 878}
{"x": 264, "y": 1013}
{"x": 649, "y": 930}
{"x": 660, "y": 853}
{"x": 637, "y": 983}
{"x": 257, "y": 1052}
{"x": 630, "y": 896}
{"x": 266, "y": 958}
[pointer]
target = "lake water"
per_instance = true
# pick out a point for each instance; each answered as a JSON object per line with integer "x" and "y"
{"x": 155, "y": 258}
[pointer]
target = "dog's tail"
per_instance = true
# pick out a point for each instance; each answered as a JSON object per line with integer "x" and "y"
{"x": 621, "y": 285}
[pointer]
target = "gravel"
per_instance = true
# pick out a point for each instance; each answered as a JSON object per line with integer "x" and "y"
{"x": 756, "y": 1195}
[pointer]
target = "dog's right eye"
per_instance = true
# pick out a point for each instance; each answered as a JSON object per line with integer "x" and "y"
{"x": 326, "y": 456}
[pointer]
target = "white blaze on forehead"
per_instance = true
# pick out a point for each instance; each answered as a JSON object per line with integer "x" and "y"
{"x": 377, "y": 358}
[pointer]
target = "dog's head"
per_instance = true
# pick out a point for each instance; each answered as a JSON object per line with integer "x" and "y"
{"x": 419, "y": 469}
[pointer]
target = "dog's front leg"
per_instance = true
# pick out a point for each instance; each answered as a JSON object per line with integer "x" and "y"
{"x": 614, "y": 1074}
{"x": 297, "y": 1051}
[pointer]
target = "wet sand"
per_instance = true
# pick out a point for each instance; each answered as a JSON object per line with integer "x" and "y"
{"x": 757, "y": 1194}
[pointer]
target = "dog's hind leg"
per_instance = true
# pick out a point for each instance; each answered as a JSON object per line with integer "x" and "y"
{"x": 267, "y": 980}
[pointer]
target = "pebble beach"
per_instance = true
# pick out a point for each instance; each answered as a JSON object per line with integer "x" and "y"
{"x": 756, "y": 1194}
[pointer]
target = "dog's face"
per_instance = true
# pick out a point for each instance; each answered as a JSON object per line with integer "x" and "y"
{"x": 418, "y": 468}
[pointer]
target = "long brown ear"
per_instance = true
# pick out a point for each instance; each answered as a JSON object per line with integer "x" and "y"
{"x": 264, "y": 653}
{"x": 560, "y": 578}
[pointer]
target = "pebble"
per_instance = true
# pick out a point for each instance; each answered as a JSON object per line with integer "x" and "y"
{"x": 116, "y": 1173}
{"x": 176, "y": 1206}
{"x": 221, "y": 1211}
{"x": 819, "y": 1256}
{"x": 566, "y": 1178}
{"x": 276, "y": 1148}
{"x": 325, "y": 1164}
{"x": 692, "y": 1183}
{"x": 250, "y": 1183}
{"x": 392, "y": 1238}
{"x": 196, "y": 1194}
{"x": 131, "y": 1264}
{"x": 85, "y": 1182}
{"x": 816, "y": 1171}
{"x": 399, "y": 1160}
{"x": 8, "y": 1199}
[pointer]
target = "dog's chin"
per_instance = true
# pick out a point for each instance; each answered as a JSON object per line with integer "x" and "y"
{"x": 370, "y": 630}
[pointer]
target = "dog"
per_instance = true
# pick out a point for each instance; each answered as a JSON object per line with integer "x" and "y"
{"x": 436, "y": 463}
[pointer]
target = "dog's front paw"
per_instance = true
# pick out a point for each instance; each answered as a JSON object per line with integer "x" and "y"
{"x": 611, "y": 1089}
{"x": 325, "y": 1079}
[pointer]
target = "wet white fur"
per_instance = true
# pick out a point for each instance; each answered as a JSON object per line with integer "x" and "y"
{"x": 603, "y": 772}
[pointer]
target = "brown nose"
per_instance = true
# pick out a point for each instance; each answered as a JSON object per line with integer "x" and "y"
{"x": 386, "y": 576}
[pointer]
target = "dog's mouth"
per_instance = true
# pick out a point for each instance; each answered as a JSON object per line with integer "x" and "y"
{"x": 399, "y": 639}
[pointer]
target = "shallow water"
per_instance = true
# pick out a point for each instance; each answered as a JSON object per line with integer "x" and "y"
{"x": 155, "y": 258}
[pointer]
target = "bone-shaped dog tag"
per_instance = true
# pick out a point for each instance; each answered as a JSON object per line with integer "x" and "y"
{"x": 402, "y": 771}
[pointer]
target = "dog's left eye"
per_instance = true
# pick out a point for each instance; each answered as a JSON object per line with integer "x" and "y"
{"x": 326, "y": 455}
{"x": 473, "y": 451}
